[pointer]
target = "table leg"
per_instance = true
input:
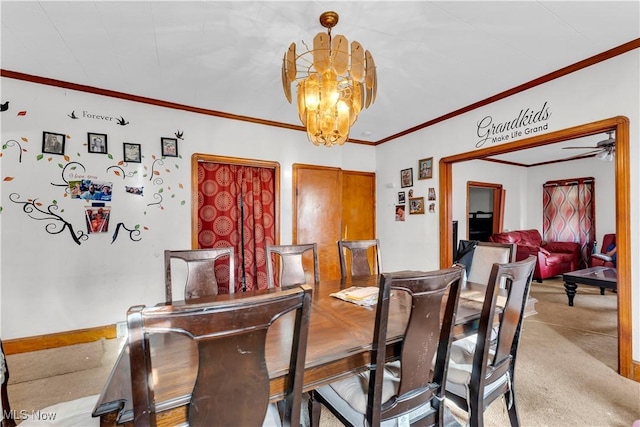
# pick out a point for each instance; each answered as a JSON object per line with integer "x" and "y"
{"x": 570, "y": 288}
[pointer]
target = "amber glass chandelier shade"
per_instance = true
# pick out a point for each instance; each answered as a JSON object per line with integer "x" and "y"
{"x": 335, "y": 81}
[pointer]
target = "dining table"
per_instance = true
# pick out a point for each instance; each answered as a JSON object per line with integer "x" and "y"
{"x": 339, "y": 344}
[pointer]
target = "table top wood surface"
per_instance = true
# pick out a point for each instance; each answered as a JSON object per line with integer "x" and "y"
{"x": 339, "y": 342}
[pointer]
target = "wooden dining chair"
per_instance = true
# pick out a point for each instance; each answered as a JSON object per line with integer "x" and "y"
{"x": 410, "y": 389}
{"x": 232, "y": 381}
{"x": 74, "y": 413}
{"x": 481, "y": 366}
{"x": 204, "y": 269}
{"x": 6, "y": 416}
{"x": 485, "y": 254}
{"x": 355, "y": 256}
{"x": 290, "y": 264}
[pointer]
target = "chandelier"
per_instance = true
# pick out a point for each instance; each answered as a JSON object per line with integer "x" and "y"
{"x": 336, "y": 81}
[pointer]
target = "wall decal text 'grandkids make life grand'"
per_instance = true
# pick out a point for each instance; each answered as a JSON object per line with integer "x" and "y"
{"x": 487, "y": 130}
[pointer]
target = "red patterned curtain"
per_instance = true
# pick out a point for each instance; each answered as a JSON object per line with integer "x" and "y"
{"x": 236, "y": 207}
{"x": 569, "y": 213}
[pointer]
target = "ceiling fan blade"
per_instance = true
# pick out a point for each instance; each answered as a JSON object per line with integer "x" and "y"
{"x": 581, "y": 148}
{"x": 583, "y": 155}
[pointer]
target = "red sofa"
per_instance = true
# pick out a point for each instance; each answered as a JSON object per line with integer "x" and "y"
{"x": 553, "y": 258}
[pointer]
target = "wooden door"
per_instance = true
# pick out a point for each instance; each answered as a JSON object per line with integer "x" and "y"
{"x": 358, "y": 205}
{"x": 317, "y": 213}
{"x": 330, "y": 204}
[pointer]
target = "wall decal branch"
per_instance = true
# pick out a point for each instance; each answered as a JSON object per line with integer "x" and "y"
{"x": 57, "y": 223}
{"x": 157, "y": 196}
{"x": 154, "y": 173}
{"x": 120, "y": 171}
{"x": 72, "y": 166}
{"x": 13, "y": 143}
{"x": 135, "y": 232}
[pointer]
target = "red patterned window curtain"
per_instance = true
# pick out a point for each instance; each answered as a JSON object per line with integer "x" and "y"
{"x": 236, "y": 201}
{"x": 569, "y": 213}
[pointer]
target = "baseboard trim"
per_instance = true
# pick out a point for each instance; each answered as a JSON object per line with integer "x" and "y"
{"x": 59, "y": 339}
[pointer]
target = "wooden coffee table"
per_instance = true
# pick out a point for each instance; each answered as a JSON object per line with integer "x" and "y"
{"x": 602, "y": 277}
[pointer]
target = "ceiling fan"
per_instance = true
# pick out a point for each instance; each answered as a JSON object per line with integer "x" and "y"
{"x": 604, "y": 150}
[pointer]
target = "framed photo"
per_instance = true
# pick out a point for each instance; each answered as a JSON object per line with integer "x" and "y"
{"x": 169, "y": 147}
{"x": 132, "y": 152}
{"x": 406, "y": 177}
{"x": 425, "y": 168}
{"x": 399, "y": 212}
{"x": 53, "y": 143}
{"x": 432, "y": 193}
{"x": 97, "y": 142}
{"x": 401, "y": 197}
{"x": 416, "y": 205}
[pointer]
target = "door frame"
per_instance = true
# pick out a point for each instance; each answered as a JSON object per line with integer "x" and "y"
{"x": 498, "y": 203}
{"x": 620, "y": 124}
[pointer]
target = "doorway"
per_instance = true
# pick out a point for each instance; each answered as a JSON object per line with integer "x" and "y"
{"x": 623, "y": 207}
{"x": 236, "y": 203}
{"x": 485, "y": 210}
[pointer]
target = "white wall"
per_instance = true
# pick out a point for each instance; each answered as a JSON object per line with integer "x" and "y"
{"x": 599, "y": 92}
{"x": 49, "y": 283}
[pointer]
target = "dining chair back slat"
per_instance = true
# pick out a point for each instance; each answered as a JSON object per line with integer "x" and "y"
{"x": 232, "y": 380}
{"x": 289, "y": 261}
{"x": 485, "y": 254}
{"x": 206, "y": 269}
{"x": 359, "y": 257}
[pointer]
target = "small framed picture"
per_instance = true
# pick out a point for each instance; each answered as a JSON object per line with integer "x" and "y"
{"x": 169, "y": 147}
{"x": 406, "y": 177}
{"x": 53, "y": 143}
{"x": 97, "y": 142}
{"x": 432, "y": 193}
{"x": 416, "y": 205}
{"x": 401, "y": 197}
{"x": 132, "y": 152}
{"x": 425, "y": 168}
{"x": 399, "y": 212}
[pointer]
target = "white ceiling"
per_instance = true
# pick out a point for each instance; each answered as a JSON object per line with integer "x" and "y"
{"x": 432, "y": 58}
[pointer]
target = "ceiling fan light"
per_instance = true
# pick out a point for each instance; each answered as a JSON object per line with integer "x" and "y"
{"x": 601, "y": 155}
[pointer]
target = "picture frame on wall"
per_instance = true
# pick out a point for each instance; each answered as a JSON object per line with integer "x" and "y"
{"x": 97, "y": 143}
{"x": 53, "y": 143}
{"x": 416, "y": 205}
{"x": 425, "y": 168}
{"x": 401, "y": 197}
{"x": 169, "y": 147}
{"x": 406, "y": 178}
{"x": 132, "y": 153}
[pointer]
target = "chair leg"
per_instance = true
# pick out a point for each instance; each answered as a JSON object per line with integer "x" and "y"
{"x": 514, "y": 419}
{"x": 475, "y": 410}
{"x": 315, "y": 408}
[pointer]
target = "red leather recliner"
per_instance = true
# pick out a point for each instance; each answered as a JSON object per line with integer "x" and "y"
{"x": 553, "y": 258}
{"x": 607, "y": 240}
